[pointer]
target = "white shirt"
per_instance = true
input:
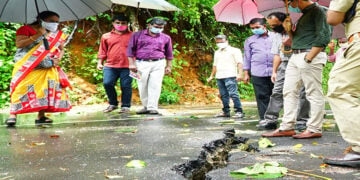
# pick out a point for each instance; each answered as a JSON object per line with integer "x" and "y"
{"x": 226, "y": 61}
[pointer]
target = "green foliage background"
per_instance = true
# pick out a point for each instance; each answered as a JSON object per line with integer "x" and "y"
{"x": 191, "y": 29}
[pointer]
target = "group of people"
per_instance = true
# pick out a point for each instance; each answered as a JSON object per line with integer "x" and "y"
{"x": 284, "y": 65}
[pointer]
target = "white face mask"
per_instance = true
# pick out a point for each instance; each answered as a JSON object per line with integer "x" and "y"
{"x": 52, "y": 27}
{"x": 222, "y": 45}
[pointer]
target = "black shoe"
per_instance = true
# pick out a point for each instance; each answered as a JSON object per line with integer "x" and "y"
{"x": 143, "y": 111}
{"x": 267, "y": 125}
{"x": 43, "y": 120}
{"x": 10, "y": 122}
{"x": 300, "y": 126}
{"x": 351, "y": 159}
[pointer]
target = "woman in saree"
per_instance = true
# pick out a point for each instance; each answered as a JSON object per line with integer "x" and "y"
{"x": 38, "y": 84}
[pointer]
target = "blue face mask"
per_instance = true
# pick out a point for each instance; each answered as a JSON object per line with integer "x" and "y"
{"x": 297, "y": 10}
{"x": 258, "y": 31}
{"x": 156, "y": 30}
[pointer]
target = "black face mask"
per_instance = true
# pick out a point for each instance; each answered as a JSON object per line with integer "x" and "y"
{"x": 279, "y": 29}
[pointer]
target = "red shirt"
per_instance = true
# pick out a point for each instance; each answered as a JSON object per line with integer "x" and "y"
{"x": 25, "y": 31}
{"x": 113, "y": 49}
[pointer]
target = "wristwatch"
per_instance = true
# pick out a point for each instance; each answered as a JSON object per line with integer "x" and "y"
{"x": 307, "y": 60}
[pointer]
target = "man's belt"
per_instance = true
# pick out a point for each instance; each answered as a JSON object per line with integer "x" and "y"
{"x": 150, "y": 60}
{"x": 351, "y": 38}
{"x": 298, "y": 51}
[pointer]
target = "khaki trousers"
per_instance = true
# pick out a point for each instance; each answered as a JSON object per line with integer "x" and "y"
{"x": 344, "y": 93}
{"x": 152, "y": 74}
{"x": 299, "y": 73}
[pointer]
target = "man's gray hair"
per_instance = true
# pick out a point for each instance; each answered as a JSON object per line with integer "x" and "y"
{"x": 221, "y": 36}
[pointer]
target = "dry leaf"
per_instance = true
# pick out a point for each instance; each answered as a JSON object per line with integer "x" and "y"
{"x": 54, "y": 136}
{"x": 111, "y": 176}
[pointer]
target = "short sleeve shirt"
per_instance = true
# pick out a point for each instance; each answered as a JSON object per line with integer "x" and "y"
{"x": 343, "y": 6}
{"x": 226, "y": 61}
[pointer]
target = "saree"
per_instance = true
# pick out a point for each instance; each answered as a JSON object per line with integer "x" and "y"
{"x": 32, "y": 89}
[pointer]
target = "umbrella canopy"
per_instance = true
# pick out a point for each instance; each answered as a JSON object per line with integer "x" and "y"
{"x": 24, "y": 11}
{"x": 236, "y": 11}
{"x": 148, "y": 4}
{"x": 265, "y": 7}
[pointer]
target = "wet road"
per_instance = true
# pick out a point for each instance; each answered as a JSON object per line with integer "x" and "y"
{"x": 83, "y": 145}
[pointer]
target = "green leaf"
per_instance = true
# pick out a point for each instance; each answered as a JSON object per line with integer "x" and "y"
{"x": 136, "y": 164}
{"x": 260, "y": 170}
{"x": 126, "y": 130}
{"x": 265, "y": 142}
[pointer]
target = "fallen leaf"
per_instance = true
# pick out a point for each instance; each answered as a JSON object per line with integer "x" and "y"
{"x": 324, "y": 165}
{"x": 194, "y": 117}
{"x": 265, "y": 142}
{"x": 54, "y": 136}
{"x": 127, "y": 130}
{"x": 316, "y": 157}
{"x": 111, "y": 176}
{"x": 150, "y": 119}
{"x": 315, "y": 143}
{"x": 297, "y": 146}
{"x": 247, "y": 131}
{"x": 136, "y": 164}
{"x": 185, "y": 125}
{"x": 127, "y": 157}
{"x": 160, "y": 154}
{"x": 64, "y": 169}
{"x": 261, "y": 170}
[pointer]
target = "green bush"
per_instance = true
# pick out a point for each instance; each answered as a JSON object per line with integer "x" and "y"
{"x": 7, "y": 51}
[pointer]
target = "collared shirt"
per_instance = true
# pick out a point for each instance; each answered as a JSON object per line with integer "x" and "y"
{"x": 277, "y": 46}
{"x": 144, "y": 46}
{"x": 226, "y": 61}
{"x": 311, "y": 30}
{"x": 258, "y": 57}
{"x": 343, "y": 6}
{"x": 113, "y": 49}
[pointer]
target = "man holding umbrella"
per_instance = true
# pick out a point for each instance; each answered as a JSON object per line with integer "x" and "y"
{"x": 310, "y": 35}
{"x": 344, "y": 82}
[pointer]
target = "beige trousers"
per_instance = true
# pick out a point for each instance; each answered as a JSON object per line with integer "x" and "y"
{"x": 152, "y": 74}
{"x": 299, "y": 73}
{"x": 344, "y": 93}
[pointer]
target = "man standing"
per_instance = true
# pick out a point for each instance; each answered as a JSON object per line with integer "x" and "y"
{"x": 228, "y": 68}
{"x": 344, "y": 83}
{"x": 258, "y": 60}
{"x": 113, "y": 51}
{"x": 147, "y": 52}
{"x": 281, "y": 48}
{"x": 310, "y": 35}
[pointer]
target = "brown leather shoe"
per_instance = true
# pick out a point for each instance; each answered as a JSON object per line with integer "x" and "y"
{"x": 351, "y": 159}
{"x": 307, "y": 135}
{"x": 279, "y": 133}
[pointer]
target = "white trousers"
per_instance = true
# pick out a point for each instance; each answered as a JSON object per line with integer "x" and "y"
{"x": 152, "y": 74}
{"x": 299, "y": 73}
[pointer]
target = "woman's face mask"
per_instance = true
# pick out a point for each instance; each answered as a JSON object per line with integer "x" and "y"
{"x": 50, "y": 26}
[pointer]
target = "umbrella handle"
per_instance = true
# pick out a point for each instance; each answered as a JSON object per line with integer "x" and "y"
{"x": 46, "y": 43}
{"x": 287, "y": 7}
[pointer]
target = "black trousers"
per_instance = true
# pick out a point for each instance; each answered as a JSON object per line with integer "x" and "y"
{"x": 263, "y": 90}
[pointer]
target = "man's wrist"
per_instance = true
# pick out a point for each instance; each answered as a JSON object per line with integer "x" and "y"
{"x": 307, "y": 60}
